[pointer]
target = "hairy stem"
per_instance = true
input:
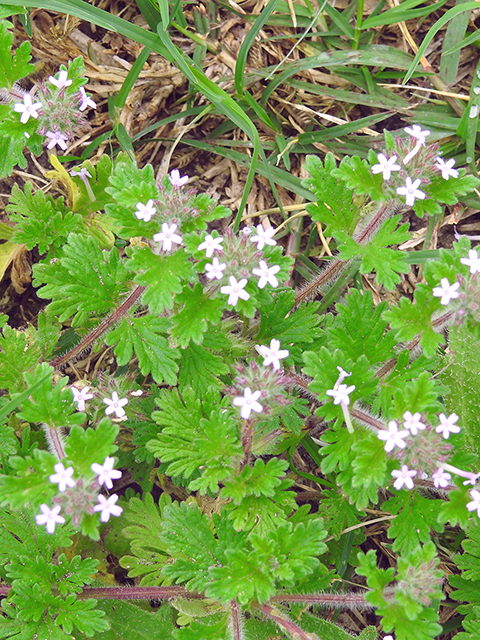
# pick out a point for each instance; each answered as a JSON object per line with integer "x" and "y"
{"x": 284, "y": 622}
{"x": 236, "y": 621}
{"x": 102, "y": 327}
{"x": 54, "y": 438}
{"x": 138, "y": 593}
{"x": 347, "y": 600}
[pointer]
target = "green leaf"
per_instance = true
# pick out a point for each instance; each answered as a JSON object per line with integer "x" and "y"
{"x": 146, "y": 336}
{"x": 163, "y": 275}
{"x": 200, "y": 367}
{"x": 455, "y": 510}
{"x": 17, "y": 66}
{"x": 86, "y": 446}
{"x": 192, "y": 321}
{"x": 356, "y": 173}
{"x": 16, "y": 357}
{"x": 130, "y": 620}
{"x": 259, "y": 480}
{"x": 86, "y": 280}
{"x": 370, "y": 463}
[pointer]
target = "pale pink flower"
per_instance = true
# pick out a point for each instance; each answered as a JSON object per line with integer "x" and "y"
{"x": 393, "y": 437}
{"x": 56, "y": 138}
{"x": 62, "y": 81}
{"x": 411, "y": 191}
{"x": 446, "y": 291}
{"x": 403, "y": 477}
{"x": 447, "y": 168}
{"x": 49, "y": 517}
{"x": 168, "y": 236}
{"x": 263, "y": 237}
{"x": 108, "y": 507}
{"x": 28, "y": 109}
{"x": 266, "y": 274}
{"x": 248, "y": 403}
{"x": 62, "y": 477}
{"x": 385, "y": 166}
{"x": 106, "y": 473}
{"x": 235, "y": 290}
{"x": 86, "y": 101}
{"x": 115, "y": 405}
{"x": 273, "y": 354}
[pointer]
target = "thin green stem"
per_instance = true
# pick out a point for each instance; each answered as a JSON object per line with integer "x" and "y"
{"x": 358, "y": 26}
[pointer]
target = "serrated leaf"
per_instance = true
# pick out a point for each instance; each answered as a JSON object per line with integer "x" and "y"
{"x": 16, "y": 357}
{"x": 13, "y": 67}
{"x": 146, "y": 336}
{"x": 192, "y": 320}
{"x": 83, "y": 447}
{"x": 201, "y": 368}
{"x": 129, "y": 620}
{"x": 260, "y": 480}
{"x": 356, "y": 173}
{"x": 449, "y": 191}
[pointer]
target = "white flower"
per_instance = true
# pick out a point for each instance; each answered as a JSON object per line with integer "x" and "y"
{"x": 62, "y": 477}
{"x": 61, "y": 81}
{"x": 82, "y": 174}
{"x": 274, "y": 354}
{"x": 80, "y": 395}
{"x": 248, "y": 403}
{"x": 447, "y": 168}
{"x": 413, "y": 423}
{"x": 28, "y": 109}
{"x": 86, "y": 101}
{"x": 385, "y": 166}
{"x": 266, "y": 274}
{"x": 416, "y": 132}
{"x": 447, "y": 425}
{"x": 49, "y": 517}
{"x": 263, "y": 237}
{"x": 215, "y": 270}
{"x": 235, "y": 290}
{"x": 388, "y": 638}
{"x": 393, "y": 437}
{"x": 115, "y": 405}
{"x": 106, "y": 473}
{"x": 246, "y": 231}
{"x": 446, "y": 291}
{"x": 475, "y": 504}
{"x": 108, "y": 507}
{"x": 56, "y": 138}
{"x": 403, "y": 477}
{"x": 341, "y": 393}
{"x": 176, "y": 181}
{"x": 211, "y": 244}
{"x": 472, "y": 478}
{"x": 411, "y": 191}
{"x": 168, "y": 236}
{"x": 145, "y": 211}
{"x": 440, "y": 478}
{"x": 473, "y": 261}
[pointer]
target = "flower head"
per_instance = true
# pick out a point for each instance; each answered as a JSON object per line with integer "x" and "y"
{"x": 411, "y": 191}
{"x": 49, "y": 517}
{"x": 473, "y": 261}
{"x": 80, "y": 396}
{"x": 106, "y": 473}
{"x": 56, "y": 138}
{"x": 82, "y": 173}
{"x": 393, "y": 437}
{"x": 447, "y": 425}
{"x": 61, "y": 81}
{"x": 416, "y": 132}
{"x": 62, "y": 477}
{"x": 274, "y": 354}
{"x": 263, "y": 237}
{"x": 248, "y": 403}
{"x": 115, "y": 405}
{"x": 86, "y": 101}
{"x": 446, "y": 291}
{"x": 108, "y": 507}
{"x": 266, "y": 274}
{"x": 235, "y": 290}
{"x": 413, "y": 423}
{"x": 210, "y": 244}
{"x": 215, "y": 270}
{"x": 145, "y": 211}
{"x": 341, "y": 394}
{"x": 168, "y": 236}
{"x": 385, "y": 166}
{"x": 447, "y": 168}
{"x": 403, "y": 477}
{"x": 176, "y": 181}
{"x": 28, "y": 109}
{"x": 441, "y": 478}
{"x": 475, "y": 504}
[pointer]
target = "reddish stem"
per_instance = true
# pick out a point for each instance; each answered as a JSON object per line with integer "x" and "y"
{"x": 284, "y": 622}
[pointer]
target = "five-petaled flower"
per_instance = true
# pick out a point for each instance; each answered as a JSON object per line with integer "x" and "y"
{"x": 106, "y": 473}
{"x": 168, "y": 236}
{"x": 235, "y": 290}
{"x": 80, "y": 396}
{"x": 56, "y": 138}
{"x": 273, "y": 354}
{"x": 263, "y": 237}
{"x": 385, "y": 166}
{"x": 341, "y": 394}
{"x": 473, "y": 261}
{"x": 413, "y": 422}
{"x": 447, "y": 425}
{"x": 49, "y": 517}
{"x": 403, "y": 477}
{"x": 145, "y": 211}
{"x": 411, "y": 191}
{"x": 266, "y": 274}
{"x": 108, "y": 507}
{"x": 393, "y": 437}
{"x": 86, "y": 101}
{"x": 447, "y": 168}
{"x": 446, "y": 291}
{"x": 176, "y": 181}
{"x": 441, "y": 478}
{"x": 416, "y": 132}
{"x": 115, "y": 405}
{"x": 210, "y": 244}
{"x": 62, "y": 477}
{"x": 61, "y": 81}
{"x": 248, "y": 403}
{"x": 82, "y": 173}
{"x": 475, "y": 504}
{"x": 28, "y": 109}
{"x": 215, "y": 270}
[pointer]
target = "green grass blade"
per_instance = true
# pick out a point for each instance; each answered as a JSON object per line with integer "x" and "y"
{"x": 339, "y": 21}
{"x": 453, "y": 36}
{"x": 400, "y": 14}
{"x": 131, "y": 78}
{"x": 150, "y": 12}
{"x": 473, "y": 37}
{"x": 18, "y": 399}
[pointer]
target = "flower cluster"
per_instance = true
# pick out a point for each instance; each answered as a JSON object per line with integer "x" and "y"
{"x": 79, "y": 499}
{"x": 114, "y": 403}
